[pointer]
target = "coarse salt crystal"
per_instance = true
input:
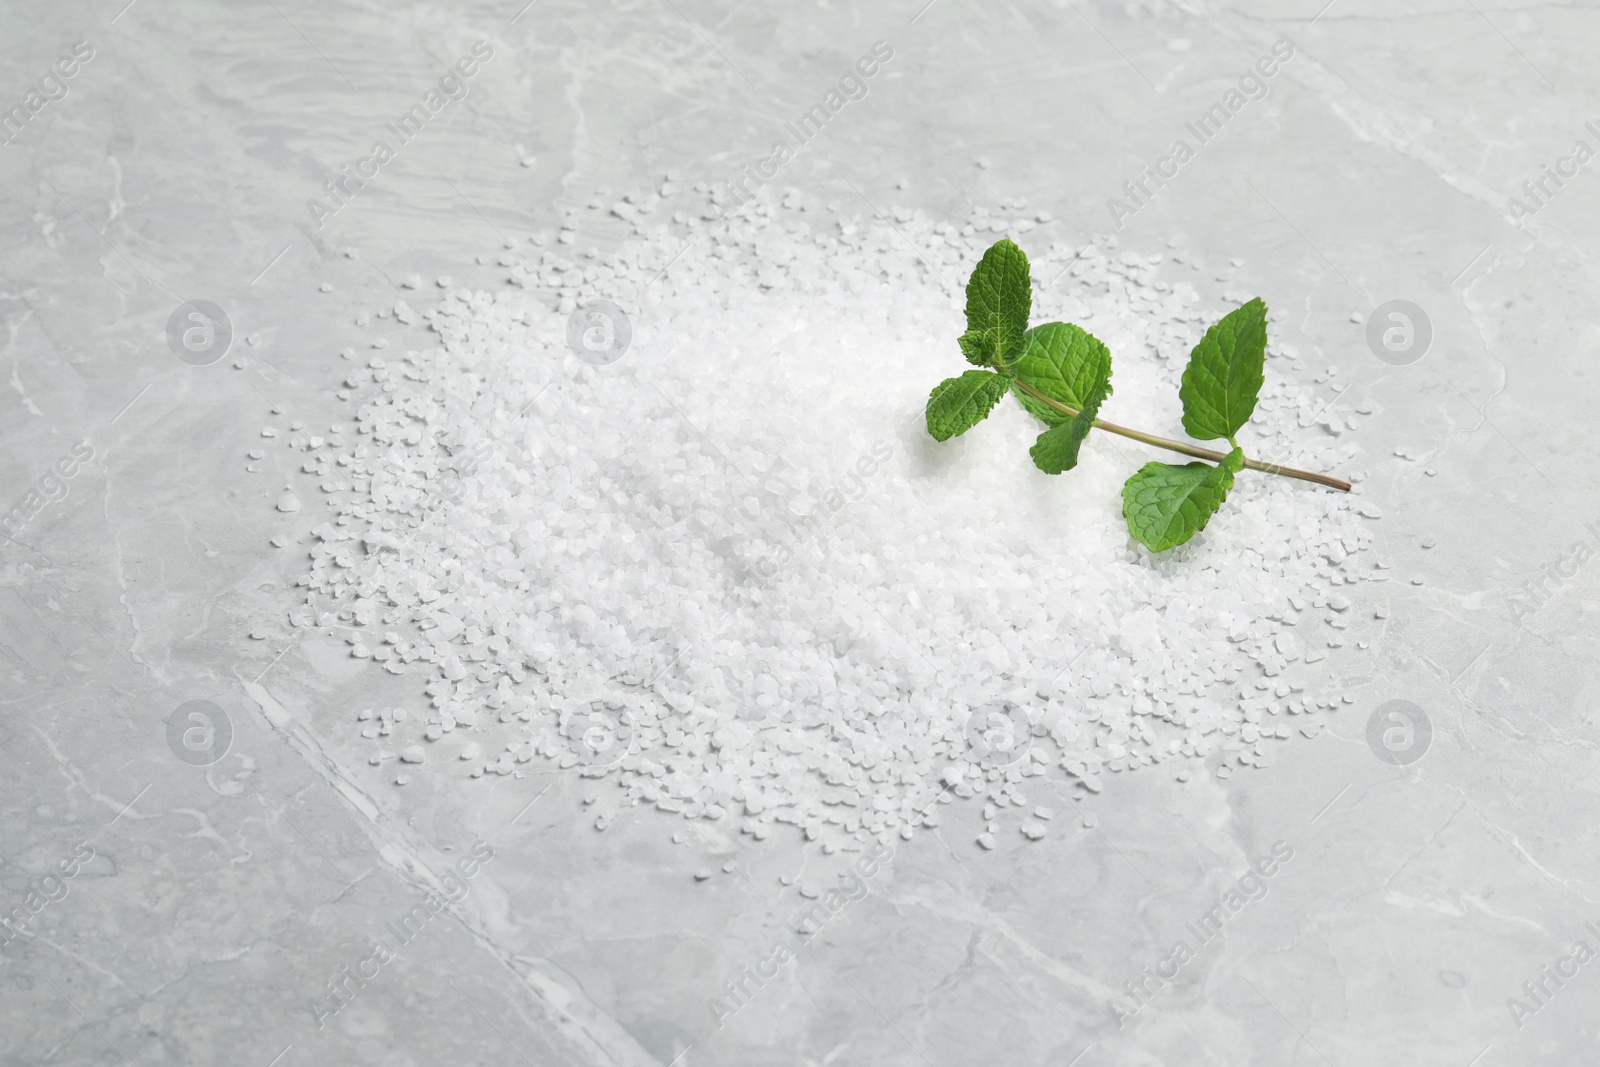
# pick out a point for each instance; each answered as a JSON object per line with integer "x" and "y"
{"x": 777, "y": 585}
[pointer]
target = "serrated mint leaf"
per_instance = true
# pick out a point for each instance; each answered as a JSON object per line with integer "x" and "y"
{"x": 972, "y": 346}
{"x": 1224, "y": 375}
{"x": 1165, "y": 504}
{"x": 956, "y": 405}
{"x": 1065, "y": 363}
{"x": 1057, "y": 448}
{"x": 999, "y": 299}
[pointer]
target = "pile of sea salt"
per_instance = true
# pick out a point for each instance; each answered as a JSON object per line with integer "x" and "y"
{"x": 729, "y": 572}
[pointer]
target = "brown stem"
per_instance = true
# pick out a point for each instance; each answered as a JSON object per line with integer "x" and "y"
{"x": 1187, "y": 449}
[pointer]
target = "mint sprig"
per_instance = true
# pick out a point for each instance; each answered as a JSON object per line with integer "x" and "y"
{"x": 1061, "y": 374}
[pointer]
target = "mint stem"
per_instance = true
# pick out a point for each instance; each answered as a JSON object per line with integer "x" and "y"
{"x": 1187, "y": 449}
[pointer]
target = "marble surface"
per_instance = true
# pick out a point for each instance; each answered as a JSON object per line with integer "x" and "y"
{"x": 209, "y": 906}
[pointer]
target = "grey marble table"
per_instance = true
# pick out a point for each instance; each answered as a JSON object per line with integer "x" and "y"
{"x": 1437, "y": 912}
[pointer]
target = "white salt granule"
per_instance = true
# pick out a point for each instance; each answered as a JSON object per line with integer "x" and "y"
{"x": 729, "y": 572}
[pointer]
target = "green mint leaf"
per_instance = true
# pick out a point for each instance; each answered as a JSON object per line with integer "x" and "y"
{"x": 973, "y": 348}
{"x": 999, "y": 299}
{"x": 1165, "y": 505}
{"x": 1057, "y": 448}
{"x": 1224, "y": 375}
{"x": 1065, "y": 363}
{"x": 956, "y": 405}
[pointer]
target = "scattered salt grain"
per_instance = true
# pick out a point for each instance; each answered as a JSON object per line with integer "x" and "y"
{"x": 604, "y": 542}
